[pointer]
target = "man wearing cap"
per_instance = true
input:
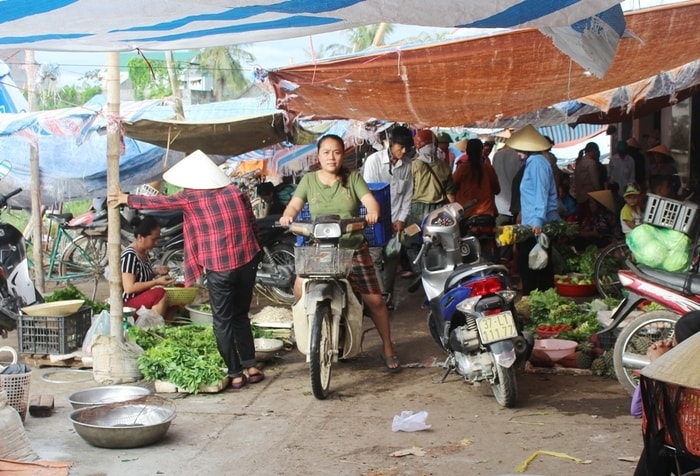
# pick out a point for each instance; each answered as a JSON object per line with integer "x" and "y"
{"x": 443, "y": 143}
{"x": 221, "y": 240}
{"x": 539, "y": 201}
{"x": 432, "y": 183}
{"x": 393, "y": 166}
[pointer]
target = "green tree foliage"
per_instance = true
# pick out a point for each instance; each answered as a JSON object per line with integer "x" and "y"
{"x": 149, "y": 78}
{"x": 359, "y": 39}
{"x": 223, "y": 64}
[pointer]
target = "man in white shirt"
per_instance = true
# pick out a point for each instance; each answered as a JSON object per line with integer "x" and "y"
{"x": 392, "y": 165}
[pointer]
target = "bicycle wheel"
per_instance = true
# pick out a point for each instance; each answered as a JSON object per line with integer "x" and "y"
{"x": 321, "y": 351}
{"x": 85, "y": 257}
{"x": 631, "y": 346}
{"x": 612, "y": 259}
{"x": 174, "y": 260}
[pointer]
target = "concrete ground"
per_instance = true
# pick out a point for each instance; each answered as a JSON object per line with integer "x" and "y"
{"x": 278, "y": 427}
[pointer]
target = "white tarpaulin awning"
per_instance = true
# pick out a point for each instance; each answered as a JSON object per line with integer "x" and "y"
{"x": 587, "y": 30}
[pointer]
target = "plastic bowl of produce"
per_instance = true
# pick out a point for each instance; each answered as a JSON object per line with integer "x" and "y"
{"x": 556, "y": 349}
{"x": 265, "y": 349}
{"x": 200, "y": 314}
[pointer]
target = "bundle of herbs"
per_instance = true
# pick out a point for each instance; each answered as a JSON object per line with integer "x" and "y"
{"x": 70, "y": 292}
{"x": 186, "y": 356}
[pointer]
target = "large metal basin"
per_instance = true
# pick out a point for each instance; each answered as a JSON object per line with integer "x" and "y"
{"x": 124, "y": 425}
{"x": 108, "y": 394}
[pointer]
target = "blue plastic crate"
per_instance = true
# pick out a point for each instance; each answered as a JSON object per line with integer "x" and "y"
{"x": 377, "y": 234}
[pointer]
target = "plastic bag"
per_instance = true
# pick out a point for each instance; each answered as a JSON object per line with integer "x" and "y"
{"x": 393, "y": 246}
{"x": 100, "y": 326}
{"x": 148, "y": 318}
{"x": 409, "y": 421}
{"x": 538, "y": 258}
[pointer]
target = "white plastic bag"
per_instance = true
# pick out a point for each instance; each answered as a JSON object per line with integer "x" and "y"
{"x": 538, "y": 258}
{"x": 148, "y": 318}
{"x": 100, "y": 326}
{"x": 409, "y": 421}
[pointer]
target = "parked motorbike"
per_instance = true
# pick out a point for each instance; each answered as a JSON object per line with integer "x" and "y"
{"x": 275, "y": 276}
{"x": 679, "y": 293}
{"x": 472, "y": 311}
{"x": 16, "y": 286}
{"x": 328, "y": 316}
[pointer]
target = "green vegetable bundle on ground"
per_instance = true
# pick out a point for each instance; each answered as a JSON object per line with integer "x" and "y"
{"x": 185, "y": 356}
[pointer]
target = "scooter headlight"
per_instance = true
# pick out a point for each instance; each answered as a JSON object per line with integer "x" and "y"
{"x": 327, "y": 230}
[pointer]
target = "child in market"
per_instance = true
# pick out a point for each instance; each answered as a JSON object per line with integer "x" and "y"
{"x": 631, "y": 213}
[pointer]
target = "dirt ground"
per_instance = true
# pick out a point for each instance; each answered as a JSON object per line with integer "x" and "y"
{"x": 581, "y": 424}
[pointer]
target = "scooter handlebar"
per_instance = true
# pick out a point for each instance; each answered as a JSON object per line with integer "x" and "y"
{"x": 5, "y": 198}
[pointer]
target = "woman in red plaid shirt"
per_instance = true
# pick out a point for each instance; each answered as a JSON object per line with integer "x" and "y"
{"x": 221, "y": 240}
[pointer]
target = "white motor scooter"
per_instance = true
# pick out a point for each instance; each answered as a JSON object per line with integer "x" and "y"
{"x": 328, "y": 316}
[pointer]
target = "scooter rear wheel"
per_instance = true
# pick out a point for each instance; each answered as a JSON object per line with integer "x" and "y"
{"x": 630, "y": 352}
{"x": 321, "y": 351}
{"x": 506, "y": 387}
{"x": 282, "y": 253}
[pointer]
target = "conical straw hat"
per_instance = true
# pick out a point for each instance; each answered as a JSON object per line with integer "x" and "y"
{"x": 678, "y": 366}
{"x": 528, "y": 139}
{"x": 605, "y": 198}
{"x": 197, "y": 171}
{"x": 661, "y": 149}
{"x": 461, "y": 145}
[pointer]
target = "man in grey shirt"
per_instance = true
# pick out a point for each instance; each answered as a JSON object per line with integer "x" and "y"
{"x": 393, "y": 166}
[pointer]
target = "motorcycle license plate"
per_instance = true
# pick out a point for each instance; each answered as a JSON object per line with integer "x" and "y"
{"x": 496, "y": 327}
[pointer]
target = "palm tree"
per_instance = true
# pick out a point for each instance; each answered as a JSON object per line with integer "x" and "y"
{"x": 224, "y": 65}
{"x": 361, "y": 38}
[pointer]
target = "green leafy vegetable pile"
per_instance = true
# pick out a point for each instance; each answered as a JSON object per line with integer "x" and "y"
{"x": 549, "y": 308}
{"x": 185, "y": 356}
{"x": 71, "y": 292}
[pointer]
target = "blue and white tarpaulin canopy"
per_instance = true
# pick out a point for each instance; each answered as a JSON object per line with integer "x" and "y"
{"x": 72, "y": 145}
{"x": 582, "y": 27}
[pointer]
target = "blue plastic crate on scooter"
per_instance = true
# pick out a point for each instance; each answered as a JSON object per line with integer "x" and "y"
{"x": 377, "y": 234}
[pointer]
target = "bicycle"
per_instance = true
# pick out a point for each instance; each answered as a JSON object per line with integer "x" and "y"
{"x": 78, "y": 252}
{"x": 612, "y": 259}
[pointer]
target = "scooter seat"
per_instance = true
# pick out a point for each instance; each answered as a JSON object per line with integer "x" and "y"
{"x": 687, "y": 283}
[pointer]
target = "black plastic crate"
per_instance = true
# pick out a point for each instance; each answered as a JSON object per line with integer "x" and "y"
{"x": 52, "y": 334}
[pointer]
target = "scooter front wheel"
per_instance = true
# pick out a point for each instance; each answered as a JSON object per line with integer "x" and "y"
{"x": 321, "y": 350}
{"x": 505, "y": 389}
{"x": 631, "y": 346}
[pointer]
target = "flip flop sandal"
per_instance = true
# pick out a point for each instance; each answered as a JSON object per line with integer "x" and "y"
{"x": 391, "y": 360}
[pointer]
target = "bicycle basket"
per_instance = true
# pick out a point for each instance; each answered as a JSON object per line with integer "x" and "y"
{"x": 322, "y": 261}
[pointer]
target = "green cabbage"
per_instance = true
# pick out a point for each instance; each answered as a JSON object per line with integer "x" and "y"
{"x": 651, "y": 253}
{"x": 641, "y": 234}
{"x": 677, "y": 261}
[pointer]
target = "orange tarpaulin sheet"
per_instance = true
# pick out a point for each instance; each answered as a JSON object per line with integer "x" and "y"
{"x": 479, "y": 80}
{"x": 35, "y": 468}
